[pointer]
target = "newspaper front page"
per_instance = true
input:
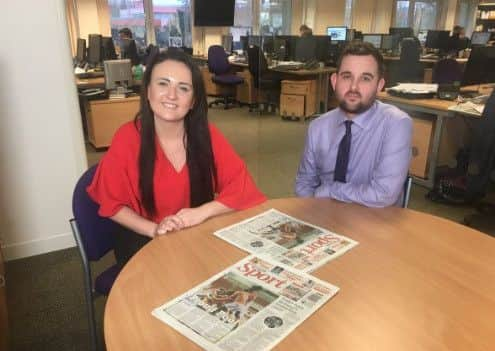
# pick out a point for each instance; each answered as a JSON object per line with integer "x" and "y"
{"x": 251, "y": 305}
{"x": 287, "y": 240}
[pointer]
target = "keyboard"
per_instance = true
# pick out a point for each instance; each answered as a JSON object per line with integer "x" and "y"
{"x": 293, "y": 66}
{"x": 86, "y": 75}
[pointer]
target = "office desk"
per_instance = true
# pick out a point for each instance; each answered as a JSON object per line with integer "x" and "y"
{"x": 434, "y": 110}
{"x": 414, "y": 282}
{"x": 424, "y": 59}
{"x": 89, "y": 83}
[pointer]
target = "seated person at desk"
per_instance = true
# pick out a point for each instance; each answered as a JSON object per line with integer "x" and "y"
{"x": 360, "y": 151}
{"x": 169, "y": 169}
{"x": 457, "y": 41}
{"x": 305, "y": 31}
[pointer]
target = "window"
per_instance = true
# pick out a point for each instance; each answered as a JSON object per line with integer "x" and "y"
{"x": 418, "y": 14}
{"x": 275, "y": 17}
{"x": 348, "y": 14}
{"x": 171, "y": 21}
{"x": 466, "y": 10}
{"x": 243, "y": 19}
{"x": 130, "y": 14}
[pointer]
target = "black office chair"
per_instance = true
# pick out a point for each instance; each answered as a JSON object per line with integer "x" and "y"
{"x": 481, "y": 166}
{"x": 408, "y": 69}
{"x": 447, "y": 71}
{"x": 263, "y": 79}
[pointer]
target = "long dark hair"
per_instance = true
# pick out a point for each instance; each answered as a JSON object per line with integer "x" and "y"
{"x": 197, "y": 141}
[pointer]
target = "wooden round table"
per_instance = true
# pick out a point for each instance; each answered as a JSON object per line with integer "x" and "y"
{"x": 414, "y": 282}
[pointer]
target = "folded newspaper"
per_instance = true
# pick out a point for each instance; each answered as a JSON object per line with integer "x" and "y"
{"x": 251, "y": 305}
{"x": 287, "y": 240}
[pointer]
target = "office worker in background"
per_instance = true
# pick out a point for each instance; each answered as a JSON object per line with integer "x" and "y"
{"x": 169, "y": 169}
{"x": 458, "y": 40}
{"x": 360, "y": 151}
{"x": 305, "y": 31}
{"x": 125, "y": 33}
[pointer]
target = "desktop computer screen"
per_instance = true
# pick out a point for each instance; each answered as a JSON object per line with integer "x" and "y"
{"x": 480, "y": 67}
{"x": 389, "y": 42}
{"x": 437, "y": 39}
{"x": 305, "y": 49}
{"x": 94, "y": 49}
{"x": 375, "y": 39}
{"x": 108, "y": 49}
{"x": 81, "y": 50}
{"x": 227, "y": 43}
{"x": 401, "y": 32}
{"x": 337, "y": 33}
{"x": 422, "y": 36}
{"x": 118, "y": 73}
{"x": 480, "y": 38}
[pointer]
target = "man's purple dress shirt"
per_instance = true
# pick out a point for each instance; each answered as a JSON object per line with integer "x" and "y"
{"x": 378, "y": 161}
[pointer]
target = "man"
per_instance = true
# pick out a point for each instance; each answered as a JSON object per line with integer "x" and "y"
{"x": 457, "y": 41}
{"x": 125, "y": 33}
{"x": 305, "y": 31}
{"x": 359, "y": 152}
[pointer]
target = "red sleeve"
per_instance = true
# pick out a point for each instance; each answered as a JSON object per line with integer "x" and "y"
{"x": 112, "y": 186}
{"x": 236, "y": 188}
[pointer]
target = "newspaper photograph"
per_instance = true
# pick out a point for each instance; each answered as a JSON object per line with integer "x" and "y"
{"x": 251, "y": 305}
{"x": 287, "y": 240}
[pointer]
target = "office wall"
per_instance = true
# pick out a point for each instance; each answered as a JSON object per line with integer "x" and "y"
{"x": 41, "y": 143}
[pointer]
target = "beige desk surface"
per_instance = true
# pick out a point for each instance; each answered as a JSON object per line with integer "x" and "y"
{"x": 424, "y": 59}
{"x": 86, "y": 83}
{"x": 415, "y": 282}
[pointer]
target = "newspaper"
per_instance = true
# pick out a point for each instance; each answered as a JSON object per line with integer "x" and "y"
{"x": 251, "y": 305}
{"x": 287, "y": 240}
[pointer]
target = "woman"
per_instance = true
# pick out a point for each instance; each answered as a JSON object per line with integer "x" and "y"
{"x": 163, "y": 170}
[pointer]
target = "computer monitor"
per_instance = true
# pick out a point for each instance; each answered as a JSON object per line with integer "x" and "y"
{"x": 323, "y": 43}
{"x": 81, "y": 50}
{"x": 375, "y": 39}
{"x": 94, "y": 49}
{"x": 108, "y": 49}
{"x": 480, "y": 38}
{"x": 401, "y": 32}
{"x": 268, "y": 44}
{"x": 281, "y": 48}
{"x": 227, "y": 42}
{"x": 422, "y": 36}
{"x": 305, "y": 49}
{"x": 254, "y": 40}
{"x": 337, "y": 33}
{"x": 480, "y": 67}
{"x": 244, "y": 43}
{"x": 358, "y": 35}
{"x": 128, "y": 50}
{"x": 118, "y": 73}
{"x": 389, "y": 42}
{"x": 437, "y": 39}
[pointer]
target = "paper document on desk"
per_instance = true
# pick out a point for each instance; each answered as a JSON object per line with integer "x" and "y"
{"x": 418, "y": 88}
{"x": 288, "y": 240}
{"x": 469, "y": 108}
{"x": 251, "y": 305}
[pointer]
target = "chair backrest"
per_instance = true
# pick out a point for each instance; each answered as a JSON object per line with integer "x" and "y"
{"x": 217, "y": 60}
{"x": 96, "y": 232}
{"x": 407, "y": 191}
{"x": 410, "y": 69}
{"x": 447, "y": 71}
{"x": 257, "y": 64}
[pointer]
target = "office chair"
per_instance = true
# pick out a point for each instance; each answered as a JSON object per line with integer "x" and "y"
{"x": 220, "y": 67}
{"x": 94, "y": 238}
{"x": 408, "y": 68}
{"x": 407, "y": 191}
{"x": 263, "y": 79}
{"x": 447, "y": 71}
{"x": 481, "y": 166}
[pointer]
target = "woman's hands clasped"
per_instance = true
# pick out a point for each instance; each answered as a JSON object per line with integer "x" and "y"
{"x": 187, "y": 217}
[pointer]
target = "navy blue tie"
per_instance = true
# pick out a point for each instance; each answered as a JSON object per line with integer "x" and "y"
{"x": 343, "y": 154}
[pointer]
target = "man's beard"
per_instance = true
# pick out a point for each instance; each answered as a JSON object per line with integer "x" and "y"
{"x": 359, "y": 108}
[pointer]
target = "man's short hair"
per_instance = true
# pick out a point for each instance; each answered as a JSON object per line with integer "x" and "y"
{"x": 358, "y": 48}
{"x": 126, "y": 31}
